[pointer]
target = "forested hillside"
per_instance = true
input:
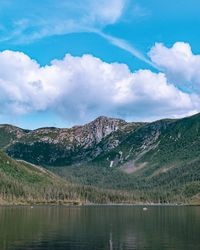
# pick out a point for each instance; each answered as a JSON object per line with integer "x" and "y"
{"x": 23, "y": 183}
{"x": 158, "y": 161}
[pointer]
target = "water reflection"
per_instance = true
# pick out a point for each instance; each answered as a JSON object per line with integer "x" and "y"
{"x": 111, "y": 242}
{"x": 105, "y": 227}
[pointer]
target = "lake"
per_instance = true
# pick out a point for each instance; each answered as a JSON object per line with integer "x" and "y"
{"x": 100, "y": 227}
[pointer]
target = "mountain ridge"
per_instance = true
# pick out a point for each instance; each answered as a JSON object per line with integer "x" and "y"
{"x": 161, "y": 159}
{"x": 69, "y": 140}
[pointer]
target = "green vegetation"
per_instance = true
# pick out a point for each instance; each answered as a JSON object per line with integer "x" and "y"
{"x": 163, "y": 159}
{"x": 22, "y": 183}
{"x": 138, "y": 162}
{"x": 64, "y": 147}
{"x": 7, "y": 135}
{"x": 180, "y": 184}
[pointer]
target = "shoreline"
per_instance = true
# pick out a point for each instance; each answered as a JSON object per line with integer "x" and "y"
{"x": 100, "y": 205}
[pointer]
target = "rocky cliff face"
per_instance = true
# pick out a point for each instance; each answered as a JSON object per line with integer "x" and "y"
{"x": 54, "y": 146}
{"x": 86, "y": 135}
{"x": 102, "y": 126}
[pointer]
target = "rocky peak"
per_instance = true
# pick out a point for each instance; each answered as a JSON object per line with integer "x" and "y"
{"x": 103, "y": 126}
{"x": 56, "y": 145}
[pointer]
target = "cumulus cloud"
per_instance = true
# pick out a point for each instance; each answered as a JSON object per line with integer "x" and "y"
{"x": 81, "y": 88}
{"x": 179, "y": 63}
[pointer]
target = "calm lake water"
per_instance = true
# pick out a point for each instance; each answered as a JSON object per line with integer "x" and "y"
{"x": 100, "y": 227}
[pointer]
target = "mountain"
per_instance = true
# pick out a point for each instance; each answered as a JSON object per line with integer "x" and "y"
{"x": 158, "y": 160}
{"x": 58, "y": 147}
{"x": 162, "y": 157}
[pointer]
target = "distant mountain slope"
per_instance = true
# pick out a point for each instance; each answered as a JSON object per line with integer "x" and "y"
{"x": 157, "y": 147}
{"x": 53, "y": 146}
{"x": 9, "y": 133}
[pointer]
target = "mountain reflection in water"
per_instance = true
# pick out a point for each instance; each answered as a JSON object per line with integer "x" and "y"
{"x": 99, "y": 227}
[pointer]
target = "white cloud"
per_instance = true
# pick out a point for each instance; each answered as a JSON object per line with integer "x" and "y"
{"x": 105, "y": 12}
{"x": 81, "y": 88}
{"x": 179, "y": 63}
{"x": 60, "y": 17}
{"x": 123, "y": 44}
{"x": 71, "y": 17}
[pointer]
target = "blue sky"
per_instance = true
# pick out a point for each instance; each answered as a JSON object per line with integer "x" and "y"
{"x": 137, "y": 60}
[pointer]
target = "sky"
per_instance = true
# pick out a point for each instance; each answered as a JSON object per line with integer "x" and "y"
{"x": 64, "y": 63}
